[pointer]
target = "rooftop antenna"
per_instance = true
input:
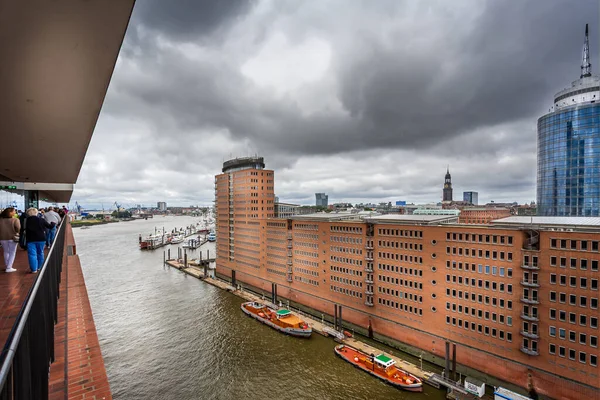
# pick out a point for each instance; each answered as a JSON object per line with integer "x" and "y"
{"x": 586, "y": 66}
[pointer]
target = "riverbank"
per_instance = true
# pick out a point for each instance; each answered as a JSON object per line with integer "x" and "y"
{"x": 320, "y": 327}
{"x": 89, "y": 222}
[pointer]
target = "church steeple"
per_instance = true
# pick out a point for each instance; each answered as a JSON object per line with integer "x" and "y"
{"x": 447, "y": 192}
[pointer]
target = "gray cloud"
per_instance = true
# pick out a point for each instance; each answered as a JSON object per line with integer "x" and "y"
{"x": 407, "y": 87}
{"x": 188, "y": 20}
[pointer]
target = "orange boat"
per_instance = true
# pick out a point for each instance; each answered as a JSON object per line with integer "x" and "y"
{"x": 283, "y": 320}
{"x": 380, "y": 366}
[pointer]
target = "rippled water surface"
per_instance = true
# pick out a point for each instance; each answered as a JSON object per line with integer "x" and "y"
{"x": 167, "y": 335}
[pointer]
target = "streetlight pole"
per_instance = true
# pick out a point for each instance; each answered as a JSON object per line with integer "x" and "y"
{"x": 421, "y": 359}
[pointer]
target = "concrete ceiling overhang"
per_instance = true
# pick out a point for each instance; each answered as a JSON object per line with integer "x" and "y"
{"x": 56, "y": 61}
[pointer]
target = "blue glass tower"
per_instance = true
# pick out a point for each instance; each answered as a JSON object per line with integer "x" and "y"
{"x": 568, "y": 152}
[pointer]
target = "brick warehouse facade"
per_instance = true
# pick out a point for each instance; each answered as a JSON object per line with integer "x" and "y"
{"x": 519, "y": 300}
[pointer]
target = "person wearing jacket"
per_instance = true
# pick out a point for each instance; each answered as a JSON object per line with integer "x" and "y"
{"x": 35, "y": 235}
{"x": 9, "y": 229}
{"x": 51, "y": 216}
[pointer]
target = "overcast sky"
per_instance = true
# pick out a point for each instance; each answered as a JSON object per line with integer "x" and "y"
{"x": 363, "y": 100}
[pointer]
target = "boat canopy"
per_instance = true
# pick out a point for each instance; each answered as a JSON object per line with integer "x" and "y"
{"x": 384, "y": 360}
{"x": 283, "y": 313}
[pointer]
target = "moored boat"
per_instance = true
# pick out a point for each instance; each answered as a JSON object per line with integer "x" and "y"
{"x": 380, "y": 366}
{"x": 283, "y": 320}
{"x": 177, "y": 239}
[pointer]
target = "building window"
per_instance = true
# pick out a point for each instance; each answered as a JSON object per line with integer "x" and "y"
{"x": 572, "y": 354}
{"x": 562, "y": 333}
{"x": 552, "y": 348}
{"x": 593, "y": 360}
{"x": 553, "y": 331}
{"x": 561, "y": 351}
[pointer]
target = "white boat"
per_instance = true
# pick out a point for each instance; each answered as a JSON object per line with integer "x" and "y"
{"x": 177, "y": 239}
{"x": 211, "y": 237}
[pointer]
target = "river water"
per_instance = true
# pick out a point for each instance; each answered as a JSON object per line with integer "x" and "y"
{"x": 167, "y": 335}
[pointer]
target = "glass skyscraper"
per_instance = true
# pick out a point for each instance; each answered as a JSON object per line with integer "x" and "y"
{"x": 568, "y": 153}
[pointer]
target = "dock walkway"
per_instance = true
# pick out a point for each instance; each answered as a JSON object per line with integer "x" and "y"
{"x": 317, "y": 326}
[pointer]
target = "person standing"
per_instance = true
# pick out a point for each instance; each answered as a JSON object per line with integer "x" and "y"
{"x": 51, "y": 217}
{"x": 9, "y": 233}
{"x": 36, "y": 238}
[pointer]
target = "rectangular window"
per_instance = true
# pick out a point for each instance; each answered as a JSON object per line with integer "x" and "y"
{"x": 561, "y": 351}
{"x": 553, "y": 331}
{"x": 593, "y": 360}
{"x": 562, "y": 333}
{"x": 552, "y": 348}
{"x": 571, "y": 354}
{"x": 553, "y": 261}
{"x": 582, "y": 338}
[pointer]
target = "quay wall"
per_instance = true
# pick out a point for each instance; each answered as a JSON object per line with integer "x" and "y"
{"x": 415, "y": 342}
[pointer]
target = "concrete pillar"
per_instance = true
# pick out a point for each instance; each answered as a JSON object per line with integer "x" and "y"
{"x": 233, "y": 278}
{"x": 341, "y": 323}
{"x": 335, "y": 317}
{"x": 454, "y": 361}
{"x": 447, "y": 375}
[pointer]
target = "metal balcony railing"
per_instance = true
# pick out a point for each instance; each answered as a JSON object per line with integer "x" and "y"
{"x": 24, "y": 372}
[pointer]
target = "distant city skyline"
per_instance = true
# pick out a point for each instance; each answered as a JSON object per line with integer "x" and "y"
{"x": 355, "y": 113}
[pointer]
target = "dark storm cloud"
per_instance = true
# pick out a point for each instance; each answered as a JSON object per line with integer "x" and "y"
{"x": 188, "y": 19}
{"x": 398, "y": 95}
{"x": 410, "y": 86}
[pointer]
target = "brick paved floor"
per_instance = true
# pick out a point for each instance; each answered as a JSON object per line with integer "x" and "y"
{"x": 78, "y": 371}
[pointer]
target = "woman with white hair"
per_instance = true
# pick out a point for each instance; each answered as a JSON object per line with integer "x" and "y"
{"x": 35, "y": 235}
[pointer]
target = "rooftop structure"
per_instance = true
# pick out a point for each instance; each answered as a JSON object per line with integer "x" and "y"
{"x": 551, "y": 222}
{"x": 238, "y": 164}
{"x": 435, "y": 211}
{"x": 415, "y": 219}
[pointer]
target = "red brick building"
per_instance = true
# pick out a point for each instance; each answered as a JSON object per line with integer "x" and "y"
{"x": 519, "y": 297}
{"x": 482, "y": 215}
